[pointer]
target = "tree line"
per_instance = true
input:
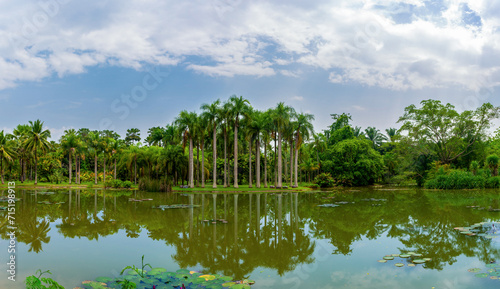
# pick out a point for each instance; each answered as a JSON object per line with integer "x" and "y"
{"x": 229, "y": 143}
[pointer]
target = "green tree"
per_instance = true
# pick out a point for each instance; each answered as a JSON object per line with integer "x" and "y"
{"x": 375, "y": 136}
{"x": 211, "y": 114}
{"x": 186, "y": 121}
{"x": 303, "y": 132}
{"x": 239, "y": 107}
{"x": 281, "y": 116}
{"x": 69, "y": 143}
{"x": 445, "y": 132}
{"x": 94, "y": 145}
{"x": 37, "y": 139}
{"x": 492, "y": 161}
{"x": 6, "y": 151}
{"x": 132, "y": 136}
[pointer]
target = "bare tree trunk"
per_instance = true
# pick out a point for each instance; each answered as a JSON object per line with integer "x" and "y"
{"x": 115, "y": 168}
{"x": 202, "y": 163}
{"x": 275, "y": 163}
{"x": 250, "y": 163}
{"x": 280, "y": 164}
{"x": 198, "y": 164}
{"x": 191, "y": 163}
{"x": 214, "y": 154}
{"x": 296, "y": 160}
{"x": 265, "y": 165}
{"x": 70, "y": 167}
{"x": 36, "y": 167}
{"x": 291, "y": 162}
{"x": 235, "y": 156}
{"x": 104, "y": 173}
{"x": 95, "y": 168}
{"x": 225, "y": 158}
{"x": 257, "y": 161}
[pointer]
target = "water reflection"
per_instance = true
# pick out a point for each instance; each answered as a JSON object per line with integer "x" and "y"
{"x": 275, "y": 231}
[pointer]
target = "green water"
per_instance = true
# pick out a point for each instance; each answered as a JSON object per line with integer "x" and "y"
{"x": 278, "y": 240}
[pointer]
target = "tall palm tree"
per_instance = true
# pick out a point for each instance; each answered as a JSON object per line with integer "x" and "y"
{"x": 304, "y": 129}
{"x": 20, "y": 134}
{"x": 37, "y": 139}
{"x": 268, "y": 127}
{"x": 6, "y": 151}
{"x": 282, "y": 114}
{"x": 94, "y": 144}
{"x": 106, "y": 148}
{"x": 116, "y": 149}
{"x": 239, "y": 107}
{"x": 131, "y": 156}
{"x": 225, "y": 115}
{"x": 186, "y": 122}
{"x": 250, "y": 135}
{"x": 257, "y": 127}
{"x": 69, "y": 143}
{"x": 211, "y": 114}
{"x": 201, "y": 131}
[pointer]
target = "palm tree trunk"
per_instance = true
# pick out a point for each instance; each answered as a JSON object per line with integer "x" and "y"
{"x": 265, "y": 165}
{"x": 77, "y": 171}
{"x": 296, "y": 160}
{"x": 115, "y": 168}
{"x": 95, "y": 168}
{"x": 198, "y": 164}
{"x": 280, "y": 164}
{"x": 250, "y": 163}
{"x": 191, "y": 163}
{"x": 214, "y": 154}
{"x": 235, "y": 156}
{"x": 70, "y": 168}
{"x": 1, "y": 167}
{"x": 257, "y": 161}
{"x": 104, "y": 173}
{"x": 203, "y": 163}
{"x": 21, "y": 172}
{"x": 36, "y": 166}
{"x": 225, "y": 158}
{"x": 291, "y": 162}
{"x": 135, "y": 170}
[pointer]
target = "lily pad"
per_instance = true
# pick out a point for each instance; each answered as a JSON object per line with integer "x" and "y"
{"x": 474, "y": 270}
{"x": 482, "y": 275}
{"x": 388, "y": 258}
{"x": 177, "y": 206}
{"x": 328, "y": 205}
{"x": 382, "y": 261}
{"x": 404, "y": 255}
{"x": 399, "y": 264}
{"x": 411, "y": 265}
{"x": 419, "y": 261}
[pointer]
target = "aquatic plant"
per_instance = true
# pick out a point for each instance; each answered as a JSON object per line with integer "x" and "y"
{"x": 141, "y": 271}
{"x": 37, "y": 282}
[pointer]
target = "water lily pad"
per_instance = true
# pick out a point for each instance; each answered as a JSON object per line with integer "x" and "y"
{"x": 104, "y": 279}
{"x": 388, "y": 258}
{"x": 418, "y": 261}
{"x": 399, "y": 264}
{"x": 411, "y": 265}
{"x": 474, "y": 270}
{"x": 404, "y": 255}
{"x": 228, "y": 284}
{"x": 427, "y": 259}
{"x": 482, "y": 275}
{"x": 240, "y": 286}
{"x": 249, "y": 282}
{"x": 493, "y": 277}
{"x": 382, "y": 261}
{"x": 495, "y": 273}
{"x": 492, "y": 265}
{"x": 395, "y": 255}
{"x": 207, "y": 277}
{"x": 328, "y": 205}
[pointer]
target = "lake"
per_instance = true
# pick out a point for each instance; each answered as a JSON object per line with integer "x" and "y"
{"x": 280, "y": 240}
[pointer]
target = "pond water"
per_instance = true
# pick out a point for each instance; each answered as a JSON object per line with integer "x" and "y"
{"x": 279, "y": 240}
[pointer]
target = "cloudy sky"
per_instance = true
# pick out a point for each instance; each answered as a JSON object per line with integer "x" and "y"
{"x": 115, "y": 64}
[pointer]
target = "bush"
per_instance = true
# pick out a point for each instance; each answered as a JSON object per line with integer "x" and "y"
{"x": 324, "y": 180}
{"x": 456, "y": 179}
{"x": 493, "y": 182}
{"x": 155, "y": 185}
{"x": 127, "y": 184}
{"x": 117, "y": 184}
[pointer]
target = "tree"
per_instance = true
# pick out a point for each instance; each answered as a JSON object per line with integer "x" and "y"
{"x": 37, "y": 139}
{"x": 239, "y": 107}
{"x": 375, "y": 136}
{"x": 131, "y": 156}
{"x": 304, "y": 130}
{"x": 186, "y": 122}
{"x": 354, "y": 162}
{"x": 443, "y": 131}
{"x": 94, "y": 141}
{"x": 492, "y": 161}
{"x": 20, "y": 134}
{"x": 211, "y": 114}
{"x": 69, "y": 143}
{"x": 392, "y": 134}
{"x": 133, "y": 135}
{"x": 281, "y": 115}
{"x": 6, "y": 151}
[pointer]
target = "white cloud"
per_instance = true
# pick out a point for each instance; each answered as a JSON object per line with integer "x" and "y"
{"x": 228, "y": 38}
{"x": 298, "y": 98}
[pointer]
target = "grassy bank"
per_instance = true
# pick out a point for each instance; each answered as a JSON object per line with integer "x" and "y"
{"x": 62, "y": 185}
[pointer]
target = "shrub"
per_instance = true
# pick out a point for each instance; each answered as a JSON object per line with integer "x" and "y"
{"x": 324, "y": 180}
{"x": 155, "y": 185}
{"x": 127, "y": 184}
{"x": 117, "y": 184}
{"x": 493, "y": 182}
{"x": 456, "y": 179}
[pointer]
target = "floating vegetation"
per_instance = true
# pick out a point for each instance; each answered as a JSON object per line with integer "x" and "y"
{"x": 486, "y": 230}
{"x": 177, "y": 206}
{"x": 410, "y": 258}
{"x": 138, "y": 200}
{"x": 220, "y": 221}
{"x": 489, "y": 209}
{"x": 6, "y": 199}
{"x": 50, "y": 203}
{"x": 493, "y": 271}
{"x": 159, "y": 278}
{"x": 44, "y": 193}
{"x": 328, "y": 205}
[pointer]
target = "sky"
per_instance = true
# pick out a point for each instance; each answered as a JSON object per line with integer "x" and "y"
{"x": 119, "y": 64}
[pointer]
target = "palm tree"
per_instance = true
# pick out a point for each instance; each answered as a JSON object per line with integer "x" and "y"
{"x": 116, "y": 149}
{"x": 94, "y": 140}
{"x": 267, "y": 129}
{"x": 69, "y": 144}
{"x": 225, "y": 114}
{"x": 392, "y": 134}
{"x": 106, "y": 148}
{"x": 186, "y": 122}
{"x": 37, "y": 139}
{"x": 6, "y": 151}
{"x": 356, "y": 132}
{"x": 257, "y": 127}
{"x": 250, "y": 135}
{"x": 20, "y": 134}
{"x": 304, "y": 129}
{"x": 239, "y": 107}
{"x": 375, "y": 136}
{"x": 282, "y": 117}
{"x": 211, "y": 114}
{"x": 131, "y": 156}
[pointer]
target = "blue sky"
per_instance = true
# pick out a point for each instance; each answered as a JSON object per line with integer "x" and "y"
{"x": 121, "y": 64}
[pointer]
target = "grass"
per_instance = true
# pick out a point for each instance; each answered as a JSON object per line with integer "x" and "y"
{"x": 242, "y": 188}
{"x": 61, "y": 185}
